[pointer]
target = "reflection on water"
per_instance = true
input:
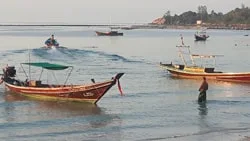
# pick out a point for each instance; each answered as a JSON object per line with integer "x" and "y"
{"x": 203, "y": 123}
{"x": 202, "y": 120}
{"x": 55, "y": 109}
{"x": 45, "y": 119}
{"x": 202, "y": 109}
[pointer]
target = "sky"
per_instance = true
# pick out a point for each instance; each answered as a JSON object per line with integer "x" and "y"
{"x": 104, "y": 11}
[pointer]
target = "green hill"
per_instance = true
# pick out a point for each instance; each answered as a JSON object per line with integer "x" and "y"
{"x": 238, "y": 16}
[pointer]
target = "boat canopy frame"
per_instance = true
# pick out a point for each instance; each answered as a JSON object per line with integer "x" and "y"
{"x": 194, "y": 56}
{"x": 48, "y": 66}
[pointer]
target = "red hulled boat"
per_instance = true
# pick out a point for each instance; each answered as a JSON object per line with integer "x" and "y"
{"x": 91, "y": 93}
{"x": 110, "y": 33}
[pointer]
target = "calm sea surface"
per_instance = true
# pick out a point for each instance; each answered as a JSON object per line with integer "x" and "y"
{"x": 156, "y": 106}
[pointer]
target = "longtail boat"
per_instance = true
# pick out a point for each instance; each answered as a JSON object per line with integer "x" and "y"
{"x": 193, "y": 71}
{"x": 91, "y": 93}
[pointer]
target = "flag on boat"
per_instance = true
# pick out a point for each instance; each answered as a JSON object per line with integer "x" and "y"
{"x": 119, "y": 87}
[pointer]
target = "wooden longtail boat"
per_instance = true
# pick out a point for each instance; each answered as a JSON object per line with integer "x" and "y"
{"x": 197, "y": 72}
{"x": 91, "y": 93}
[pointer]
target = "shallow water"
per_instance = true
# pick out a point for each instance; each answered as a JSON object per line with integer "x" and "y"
{"x": 156, "y": 106}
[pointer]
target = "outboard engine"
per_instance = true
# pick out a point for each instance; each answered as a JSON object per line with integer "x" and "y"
{"x": 9, "y": 71}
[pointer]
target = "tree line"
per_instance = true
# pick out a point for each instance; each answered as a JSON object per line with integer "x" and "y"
{"x": 236, "y": 16}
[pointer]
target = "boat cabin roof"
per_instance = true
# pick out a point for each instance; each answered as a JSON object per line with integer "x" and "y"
{"x": 47, "y": 65}
{"x": 205, "y": 56}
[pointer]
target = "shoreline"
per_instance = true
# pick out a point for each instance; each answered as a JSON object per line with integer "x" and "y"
{"x": 219, "y": 27}
{"x": 139, "y": 26}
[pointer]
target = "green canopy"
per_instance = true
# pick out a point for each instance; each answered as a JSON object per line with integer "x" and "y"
{"x": 47, "y": 65}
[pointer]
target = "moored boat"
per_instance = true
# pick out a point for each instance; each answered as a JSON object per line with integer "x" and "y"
{"x": 194, "y": 71}
{"x": 110, "y": 33}
{"x": 201, "y": 37}
{"x": 127, "y": 28}
{"x": 90, "y": 93}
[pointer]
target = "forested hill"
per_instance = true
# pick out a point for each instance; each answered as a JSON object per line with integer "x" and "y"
{"x": 238, "y": 16}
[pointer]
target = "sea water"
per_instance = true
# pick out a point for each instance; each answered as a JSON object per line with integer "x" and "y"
{"x": 155, "y": 105}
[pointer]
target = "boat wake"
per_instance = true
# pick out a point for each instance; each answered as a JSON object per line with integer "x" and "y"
{"x": 68, "y": 55}
{"x": 12, "y": 52}
{"x": 13, "y": 56}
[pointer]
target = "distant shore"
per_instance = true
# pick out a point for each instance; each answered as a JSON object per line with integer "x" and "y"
{"x": 228, "y": 27}
{"x": 142, "y": 26}
{"x": 57, "y": 25}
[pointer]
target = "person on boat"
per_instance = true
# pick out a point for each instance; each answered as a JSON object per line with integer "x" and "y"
{"x": 51, "y": 41}
{"x": 5, "y": 72}
{"x": 203, "y": 89}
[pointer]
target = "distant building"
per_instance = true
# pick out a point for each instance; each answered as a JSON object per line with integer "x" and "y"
{"x": 199, "y": 22}
{"x": 159, "y": 21}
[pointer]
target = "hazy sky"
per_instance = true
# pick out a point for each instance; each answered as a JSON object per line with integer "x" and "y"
{"x": 103, "y": 11}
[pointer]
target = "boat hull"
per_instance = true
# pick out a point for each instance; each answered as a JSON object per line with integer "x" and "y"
{"x": 201, "y": 37}
{"x": 221, "y": 76}
{"x": 90, "y": 93}
{"x": 54, "y": 47}
{"x": 108, "y": 33}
